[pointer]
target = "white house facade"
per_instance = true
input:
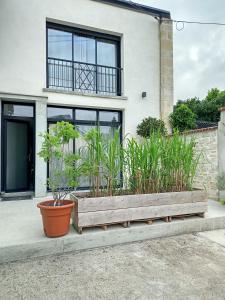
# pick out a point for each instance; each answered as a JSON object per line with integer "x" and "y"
{"x": 85, "y": 61}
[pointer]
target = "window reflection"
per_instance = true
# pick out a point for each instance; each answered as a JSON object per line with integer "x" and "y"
{"x": 59, "y": 44}
{"x": 86, "y": 115}
{"x": 16, "y": 110}
{"x": 60, "y": 113}
{"x": 84, "y": 49}
{"x": 106, "y": 116}
{"x": 106, "y": 53}
{"x": 55, "y": 163}
{"x": 80, "y": 147}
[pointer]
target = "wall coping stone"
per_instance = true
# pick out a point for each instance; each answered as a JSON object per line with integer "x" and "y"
{"x": 222, "y": 109}
{"x": 199, "y": 130}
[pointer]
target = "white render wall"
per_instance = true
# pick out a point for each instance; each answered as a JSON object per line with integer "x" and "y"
{"x": 23, "y": 53}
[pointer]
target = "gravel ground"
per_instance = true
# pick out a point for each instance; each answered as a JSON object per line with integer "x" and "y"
{"x": 183, "y": 267}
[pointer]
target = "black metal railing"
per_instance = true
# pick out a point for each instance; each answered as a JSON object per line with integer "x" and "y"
{"x": 83, "y": 77}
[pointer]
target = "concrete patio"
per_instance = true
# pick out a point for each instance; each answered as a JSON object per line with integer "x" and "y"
{"x": 21, "y": 234}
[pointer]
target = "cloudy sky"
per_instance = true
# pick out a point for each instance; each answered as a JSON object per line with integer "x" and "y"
{"x": 199, "y": 50}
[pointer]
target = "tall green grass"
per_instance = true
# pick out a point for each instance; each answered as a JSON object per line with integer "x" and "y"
{"x": 154, "y": 165}
{"x": 160, "y": 164}
{"x": 103, "y": 161}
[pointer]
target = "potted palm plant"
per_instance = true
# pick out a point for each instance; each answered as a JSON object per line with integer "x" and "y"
{"x": 64, "y": 170}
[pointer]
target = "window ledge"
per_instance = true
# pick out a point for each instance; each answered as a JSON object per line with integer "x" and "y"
{"x": 84, "y": 94}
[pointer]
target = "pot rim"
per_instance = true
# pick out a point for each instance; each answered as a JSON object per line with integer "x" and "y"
{"x": 42, "y": 205}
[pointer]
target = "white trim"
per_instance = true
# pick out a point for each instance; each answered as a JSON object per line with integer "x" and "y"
{"x": 21, "y": 97}
{"x": 84, "y": 94}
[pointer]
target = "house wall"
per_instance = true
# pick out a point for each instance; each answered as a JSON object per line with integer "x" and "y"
{"x": 23, "y": 56}
{"x": 143, "y": 42}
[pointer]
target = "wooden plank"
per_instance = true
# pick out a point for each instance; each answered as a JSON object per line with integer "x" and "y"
{"x": 133, "y": 201}
{"x": 131, "y": 214}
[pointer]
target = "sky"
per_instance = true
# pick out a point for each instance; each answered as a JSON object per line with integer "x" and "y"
{"x": 199, "y": 50}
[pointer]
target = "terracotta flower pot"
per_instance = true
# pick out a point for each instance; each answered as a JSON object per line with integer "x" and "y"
{"x": 56, "y": 219}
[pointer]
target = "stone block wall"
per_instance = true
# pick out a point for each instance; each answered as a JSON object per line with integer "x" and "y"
{"x": 166, "y": 70}
{"x": 207, "y": 147}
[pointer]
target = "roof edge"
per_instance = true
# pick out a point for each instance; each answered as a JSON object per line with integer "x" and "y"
{"x": 138, "y": 7}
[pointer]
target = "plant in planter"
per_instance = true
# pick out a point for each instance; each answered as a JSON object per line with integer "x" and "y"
{"x": 102, "y": 161}
{"x": 157, "y": 178}
{"x": 64, "y": 170}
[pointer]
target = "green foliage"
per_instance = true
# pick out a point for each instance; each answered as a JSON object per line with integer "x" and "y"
{"x": 212, "y": 94}
{"x": 222, "y": 202}
{"x": 112, "y": 162}
{"x": 160, "y": 164}
{"x": 193, "y": 103}
{"x": 149, "y": 126}
{"x": 206, "y": 109}
{"x": 64, "y": 168}
{"x": 157, "y": 164}
{"x": 102, "y": 157}
{"x": 183, "y": 118}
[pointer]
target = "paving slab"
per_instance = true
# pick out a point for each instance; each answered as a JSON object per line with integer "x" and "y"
{"x": 22, "y": 237}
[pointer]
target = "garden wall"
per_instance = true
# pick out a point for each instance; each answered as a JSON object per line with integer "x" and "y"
{"x": 211, "y": 143}
{"x": 207, "y": 144}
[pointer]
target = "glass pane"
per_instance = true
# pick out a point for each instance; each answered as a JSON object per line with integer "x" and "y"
{"x": 106, "y": 53}
{"x": 86, "y": 115}
{"x": 80, "y": 144}
{"x": 56, "y": 164}
{"x": 83, "y": 129}
{"x": 17, "y": 156}
{"x": 107, "y": 80}
{"x": 60, "y": 113}
{"x": 59, "y": 44}
{"x": 60, "y": 74}
{"x": 84, "y": 49}
{"x": 106, "y": 116}
{"x": 16, "y": 110}
{"x": 108, "y": 133}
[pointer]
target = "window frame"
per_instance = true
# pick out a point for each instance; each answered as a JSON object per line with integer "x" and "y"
{"x": 89, "y": 34}
{"x": 86, "y": 122}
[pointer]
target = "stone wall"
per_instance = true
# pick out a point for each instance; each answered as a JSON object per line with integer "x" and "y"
{"x": 166, "y": 69}
{"x": 207, "y": 147}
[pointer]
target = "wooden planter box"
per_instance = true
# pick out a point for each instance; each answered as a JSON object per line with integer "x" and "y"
{"x": 90, "y": 212}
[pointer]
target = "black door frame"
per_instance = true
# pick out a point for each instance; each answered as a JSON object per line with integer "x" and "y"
{"x": 31, "y": 147}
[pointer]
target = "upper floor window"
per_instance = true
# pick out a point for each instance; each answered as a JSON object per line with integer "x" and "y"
{"x": 83, "y": 61}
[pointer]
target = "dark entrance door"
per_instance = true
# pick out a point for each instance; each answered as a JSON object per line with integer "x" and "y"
{"x": 18, "y": 153}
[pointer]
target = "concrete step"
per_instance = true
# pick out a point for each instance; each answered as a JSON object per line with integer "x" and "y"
{"x": 21, "y": 234}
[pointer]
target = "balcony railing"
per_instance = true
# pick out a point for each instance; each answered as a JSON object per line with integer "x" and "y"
{"x": 83, "y": 77}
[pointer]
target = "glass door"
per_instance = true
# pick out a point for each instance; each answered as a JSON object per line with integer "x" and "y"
{"x": 16, "y": 156}
{"x": 18, "y": 149}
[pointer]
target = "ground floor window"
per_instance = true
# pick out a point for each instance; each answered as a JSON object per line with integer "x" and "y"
{"x": 85, "y": 120}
